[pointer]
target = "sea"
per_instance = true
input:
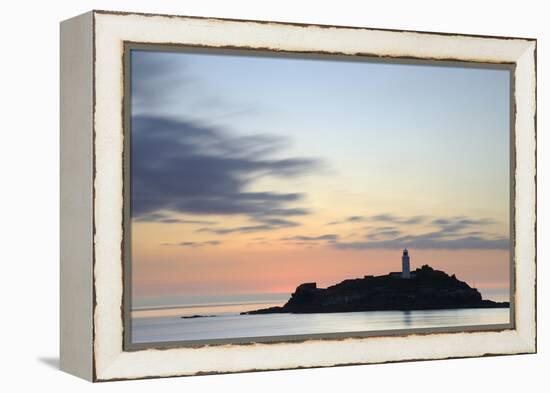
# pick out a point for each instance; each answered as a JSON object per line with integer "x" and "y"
{"x": 223, "y": 321}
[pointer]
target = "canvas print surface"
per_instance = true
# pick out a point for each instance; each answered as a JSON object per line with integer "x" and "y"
{"x": 276, "y": 196}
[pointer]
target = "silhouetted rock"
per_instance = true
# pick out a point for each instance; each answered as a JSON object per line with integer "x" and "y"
{"x": 426, "y": 289}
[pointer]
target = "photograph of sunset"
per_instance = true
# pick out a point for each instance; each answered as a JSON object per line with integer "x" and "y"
{"x": 276, "y": 196}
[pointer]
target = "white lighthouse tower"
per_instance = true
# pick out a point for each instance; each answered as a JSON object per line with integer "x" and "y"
{"x": 406, "y": 265}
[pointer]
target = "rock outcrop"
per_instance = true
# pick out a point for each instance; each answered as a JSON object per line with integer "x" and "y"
{"x": 426, "y": 289}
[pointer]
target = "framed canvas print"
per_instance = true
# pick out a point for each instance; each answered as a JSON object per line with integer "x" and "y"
{"x": 245, "y": 195}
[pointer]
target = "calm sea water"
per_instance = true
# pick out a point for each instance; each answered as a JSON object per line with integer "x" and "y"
{"x": 158, "y": 325}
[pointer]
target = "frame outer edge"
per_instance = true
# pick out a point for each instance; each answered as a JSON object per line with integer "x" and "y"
{"x": 116, "y": 365}
{"x": 76, "y": 196}
{"x": 526, "y": 198}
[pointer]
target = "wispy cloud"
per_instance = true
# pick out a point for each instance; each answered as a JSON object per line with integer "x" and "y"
{"x": 384, "y": 233}
{"x": 310, "y": 241}
{"x": 167, "y": 219}
{"x": 155, "y": 79}
{"x": 264, "y": 224}
{"x": 456, "y": 224}
{"x": 386, "y": 217}
{"x": 451, "y": 233}
{"x": 347, "y": 220}
{"x": 430, "y": 241}
{"x": 194, "y": 244}
{"x": 397, "y": 219}
{"x": 328, "y": 237}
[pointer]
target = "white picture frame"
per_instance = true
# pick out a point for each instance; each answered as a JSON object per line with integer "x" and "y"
{"x": 92, "y": 190}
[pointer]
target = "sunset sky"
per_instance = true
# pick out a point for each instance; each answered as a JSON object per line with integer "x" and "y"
{"x": 251, "y": 175}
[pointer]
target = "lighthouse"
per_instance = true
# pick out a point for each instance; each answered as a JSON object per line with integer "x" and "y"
{"x": 406, "y": 265}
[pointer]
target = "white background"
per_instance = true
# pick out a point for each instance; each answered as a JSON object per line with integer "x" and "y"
{"x": 29, "y": 206}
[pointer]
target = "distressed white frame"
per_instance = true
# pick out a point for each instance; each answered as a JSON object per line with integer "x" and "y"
{"x": 109, "y": 360}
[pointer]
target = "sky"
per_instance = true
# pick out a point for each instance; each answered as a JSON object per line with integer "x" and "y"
{"x": 253, "y": 174}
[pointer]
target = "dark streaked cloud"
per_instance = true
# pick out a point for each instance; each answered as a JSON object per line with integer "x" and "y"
{"x": 195, "y": 244}
{"x": 260, "y": 224}
{"x": 166, "y": 219}
{"x": 328, "y": 237}
{"x": 452, "y": 233}
{"x": 456, "y": 224}
{"x": 384, "y": 233}
{"x": 390, "y": 218}
{"x": 311, "y": 241}
{"x": 428, "y": 241}
{"x": 348, "y": 220}
{"x": 386, "y": 218}
{"x": 269, "y": 225}
{"x": 182, "y": 167}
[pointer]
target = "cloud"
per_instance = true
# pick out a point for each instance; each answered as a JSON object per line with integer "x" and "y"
{"x": 454, "y": 233}
{"x": 456, "y": 224}
{"x": 348, "y": 219}
{"x": 165, "y": 219}
{"x": 156, "y": 77}
{"x": 262, "y": 224}
{"x": 164, "y": 82}
{"x": 195, "y": 244}
{"x": 270, "y": 225}
{"x": 183, "y": 167}
{"x": 384, "y": 233}
{"x": 328, "y": 237}
{"x": 396, "y": 219}
{"x": 428, "y": 241}
{"x": 386, "y": 217}
{"x": 311, "y": 241}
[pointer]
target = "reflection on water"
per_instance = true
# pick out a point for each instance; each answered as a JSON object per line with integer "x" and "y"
{"x": 227, "y": 324}
{"x": 407, "y": 319}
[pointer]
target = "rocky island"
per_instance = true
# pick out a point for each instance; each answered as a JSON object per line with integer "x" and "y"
{"x": 421, "y": 289}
